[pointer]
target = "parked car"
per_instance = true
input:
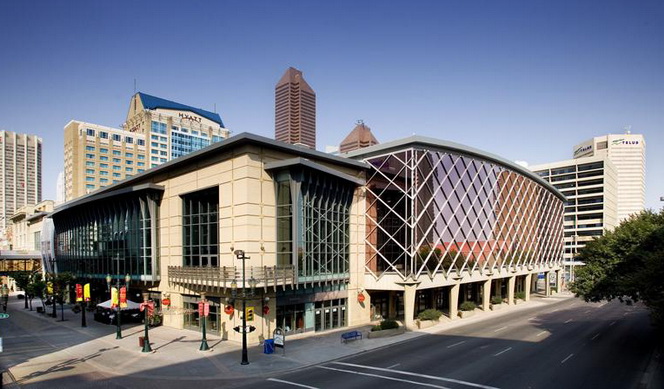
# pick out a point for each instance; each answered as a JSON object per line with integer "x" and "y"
{"x": 107, "y": 316}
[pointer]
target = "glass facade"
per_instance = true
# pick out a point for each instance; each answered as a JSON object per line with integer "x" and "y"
{"x": 183, "y": 144}
{"x": 200, "y": 231}
{"x": 436, "y": 211}
{"x": 313, "y": 223}
{"x": 109, "y": 237}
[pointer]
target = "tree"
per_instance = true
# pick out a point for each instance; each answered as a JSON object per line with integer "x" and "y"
{"x": 23, "y": 279}
{"x": 626, "y": 263}
{"x": 61, "y": 282}
{"x": 37, "y": 288}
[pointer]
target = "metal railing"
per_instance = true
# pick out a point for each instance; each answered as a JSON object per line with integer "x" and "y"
{"x": 221, "y": 278}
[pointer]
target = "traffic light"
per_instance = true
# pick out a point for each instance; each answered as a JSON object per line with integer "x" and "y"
{"x": 250, "y": 313}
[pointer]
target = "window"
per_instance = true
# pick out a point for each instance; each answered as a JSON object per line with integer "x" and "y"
{"x": 129, "y": 169}
{"x": 103, "y": 150}
{"x": 163, "y": 146}
{"x": 116, "y": 167}
{"x": 154, "y": 144}
{"x": 103, "y": 165}
{"x": 158, "y": 127}
{"x": 103, "y": 158}
{"x": 164, "y": 153}
{"x": 117, "y": 138}
{"x": 154, "y": 159}
{"x": 89, "y": 148}
{"x": 141, "y": 156}
{"x": 89, "y": 171}
{"x": 103, "y": 173}
{"x": 154, "y": 151}
{"x": 140, "y": 163}
{"x": 130, "y": 162}
{"x": 163, "y": 139}
{"x": 140, "y": 170}
{"x": 129, "y": 140}
{"x": 162, "y": 159}
{"x": 129, "y": 155}
{"x": 103, "y": 180}
{"x": 89, "y": 163}
{"x": 140, "y": 142}
{"x": 194, "y": 132}
{"x": 89, "y": 186}
{"x": 117, "y": 152}
{"x": 103, "y": 134}
{"x": 116, "y": 175}
{"x": 200, "y": 244}
{"x": 90, "y": 156}
{"x": 88, "y": 178}
{"x": 90, "y": 132}
{"x": 117, "y": 160}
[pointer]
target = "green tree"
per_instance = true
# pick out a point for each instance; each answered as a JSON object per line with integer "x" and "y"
{"x": 61, "y": 282}
{"x": 23, "y": 279}
{"x": 626, "y": 263}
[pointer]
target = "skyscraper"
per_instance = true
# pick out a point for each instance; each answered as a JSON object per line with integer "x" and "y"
{"x": 359, "y": 138}
{"x": 156, "y": 130}
{"x": 628, "y": 153}
{"x": 295, "y": 110}
{"x": 20, "y": 174}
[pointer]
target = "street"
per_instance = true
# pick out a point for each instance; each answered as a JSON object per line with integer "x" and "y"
{"x": 571, "y": 344}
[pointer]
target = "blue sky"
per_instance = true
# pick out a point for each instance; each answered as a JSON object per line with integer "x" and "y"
{"x": 525, "y": 80}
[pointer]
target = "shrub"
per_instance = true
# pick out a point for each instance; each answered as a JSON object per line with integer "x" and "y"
{"x": 388, "y": 325}
{"x": 520, "y": 295}
{"x": 430, "y": 314}
{"x": 376, "y": 328}
{"x": 495, "y": 300}
{"x": 467, "y": 306}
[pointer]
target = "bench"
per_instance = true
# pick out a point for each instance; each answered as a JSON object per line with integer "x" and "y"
{"x": 351, "y": 335}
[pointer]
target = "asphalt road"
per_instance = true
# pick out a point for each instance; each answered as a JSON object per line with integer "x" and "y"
{"x": 572, "y": 344}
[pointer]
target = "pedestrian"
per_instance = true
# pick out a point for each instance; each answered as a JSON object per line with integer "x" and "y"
{"x": 5, "y": 297}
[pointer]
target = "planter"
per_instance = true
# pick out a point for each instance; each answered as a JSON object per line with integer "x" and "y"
{"x": 421, "y": 324}
{"x": 517, "y": 301}
{"x": 495, "y": 307}
{"x": 465, "y": 314}
{"x": 386, "y": 333}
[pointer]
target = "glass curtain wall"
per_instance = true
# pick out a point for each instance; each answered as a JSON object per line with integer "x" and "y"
{"x": 314, "y": 235}
{"x": 432, "y": 211}
{"x": 109, "y": 237}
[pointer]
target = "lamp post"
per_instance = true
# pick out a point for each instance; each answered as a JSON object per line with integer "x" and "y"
{"x": 147, "y": 309}
{"x": 241, "y": 256}
{"x": 118, "y": 308}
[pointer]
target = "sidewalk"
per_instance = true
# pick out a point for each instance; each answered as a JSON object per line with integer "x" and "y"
{"x": 176, "y": 356}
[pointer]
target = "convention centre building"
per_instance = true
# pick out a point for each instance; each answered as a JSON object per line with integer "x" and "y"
{"x": 312, "y": 241}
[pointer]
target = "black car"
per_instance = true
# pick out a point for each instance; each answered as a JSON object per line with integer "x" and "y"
{"x": 107, "y": 316}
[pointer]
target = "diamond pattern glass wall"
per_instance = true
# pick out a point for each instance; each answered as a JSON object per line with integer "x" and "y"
{"x": 109, "y": 237}
{"x": 434, "y": 212}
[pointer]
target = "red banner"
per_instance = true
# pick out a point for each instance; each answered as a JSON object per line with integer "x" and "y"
{"x": 123, "y": 297}
{"x": 150, "y": 306}
{"x": 79, "y": 292}
{"x": 203, "y": 309}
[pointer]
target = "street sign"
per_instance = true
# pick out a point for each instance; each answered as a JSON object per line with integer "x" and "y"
{"x": 279, "y": 337}
{"x": 4, "y": 316}
{"x": 246, "y": 329}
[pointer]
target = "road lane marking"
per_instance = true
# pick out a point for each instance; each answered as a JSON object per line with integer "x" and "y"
{"x": 291, "y": 383}
{"x": 595, "y": 337}
{"x": 541, "y": 333}
{"x": 383, "y": 377}
{"x": 504, "y": 351}
{"x": 565, "y": 360}
{"x": 500, "y": 329}
{"x": 431, "y": 377}
{"x": 587, "y": 311}
{"x": 568, "y": 320}
{"x": 456, "y": 344}
{"x": 533, "y": 318}
{"x": 612, "y": 323}
{"x": 393, "y": 366}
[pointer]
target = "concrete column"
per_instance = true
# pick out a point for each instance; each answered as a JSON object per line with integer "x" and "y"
{"x": 391, "y": 306}
{"x": 409, "y": 292}
{"x": 511, "y": 282}
{"x": 498, "y": 287}
{"x": 547, "y": 284}
{"x": 454, "y": 301}
{"x": 528, "y": 285}
{"x": 559, "y": 281}
{"x": 486, "y": 295}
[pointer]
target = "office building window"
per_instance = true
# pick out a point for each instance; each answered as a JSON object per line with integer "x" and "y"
{"x": 117, "y": 175}
{"x": 103, "y": 158}
{"x": 89, "y": 148}
{"x": 89, "y": 186}
{"x": 129, "y": 140}
{"x": 89, "y": 171}
{"x": 89, "y": 163}
{"x": 117, "y": 152}
{"x": 89, "y": 156}
{"x": 103, "y": 150}
{"x": 103, "y": 180}
{"x": 116, "y": 167}
{"x": 103, "y": 134}
{"x": 129, "y": 169}
{"x": 90, "y": 132}
{"x": 129, "y": 155}
{"x": 117, "y": 138}
{"x": 88, "y": 178}
{"x": 140, "y": 142}
{"x": 117, "y": 160}
{"x": 141, "y": 156}
{"x": 103, "y": 173}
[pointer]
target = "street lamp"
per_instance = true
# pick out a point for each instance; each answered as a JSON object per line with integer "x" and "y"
{"x": 118, "y": 308}
{"x": 252, "y": 283}
{"x": 148, "y": 309}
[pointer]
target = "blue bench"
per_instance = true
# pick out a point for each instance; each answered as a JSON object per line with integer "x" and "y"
{"x": 351, "y": 335}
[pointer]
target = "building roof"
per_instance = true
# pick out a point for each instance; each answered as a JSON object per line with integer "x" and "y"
{"x": 294, "y": 76}
{"x": 133, "y": 182}
{"x": 432, "y": 143}
{"x": 153, "y": 102}
{"x": 360, "y": 137}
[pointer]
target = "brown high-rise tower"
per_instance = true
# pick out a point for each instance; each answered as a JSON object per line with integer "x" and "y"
{"x": 295, "y": 110}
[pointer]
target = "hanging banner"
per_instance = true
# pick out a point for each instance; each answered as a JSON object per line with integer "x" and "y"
{"x": 86, "y": 292}
{"x": 203, "y": 309}
{"x": 123, "y": 297}
{"x": 79, "y": 292}
{"x": 114, "y": 297}
{"x": 49, "y": 288}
